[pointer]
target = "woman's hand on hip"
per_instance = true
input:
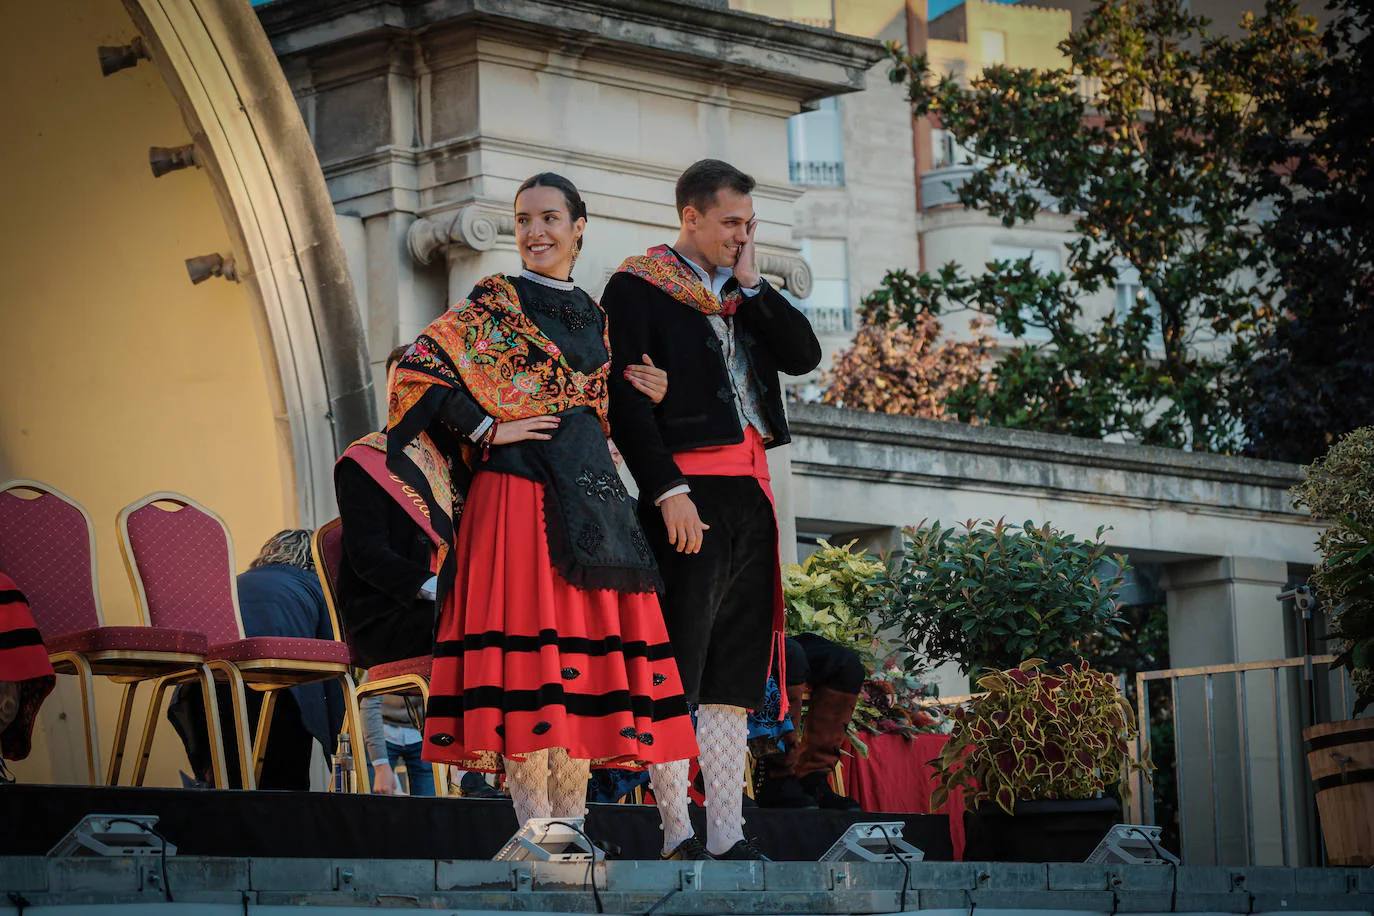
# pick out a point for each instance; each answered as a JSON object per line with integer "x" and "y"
{"x": 511, "y": 431}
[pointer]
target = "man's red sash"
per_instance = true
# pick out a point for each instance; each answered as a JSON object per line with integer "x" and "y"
{"x": 748, "y": 459}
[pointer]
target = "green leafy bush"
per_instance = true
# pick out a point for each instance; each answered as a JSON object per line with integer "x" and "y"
{"x": 1039, "y": 735}
{"x": 1340, "y": 488}
{"x": 833, "y": 594}
{"x": 988, "y": 595}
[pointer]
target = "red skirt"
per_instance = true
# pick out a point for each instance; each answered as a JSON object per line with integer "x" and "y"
{"x": 524, "y": 661}
{"x": 24, "y": 661}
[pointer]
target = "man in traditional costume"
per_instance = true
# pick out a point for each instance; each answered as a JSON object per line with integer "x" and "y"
{"x": 702, "y": 312}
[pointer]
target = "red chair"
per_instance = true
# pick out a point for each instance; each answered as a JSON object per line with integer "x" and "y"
{"x": 181, "y": 562}
{"x": 47, "y": 545}
{"x": 407, "y": 677}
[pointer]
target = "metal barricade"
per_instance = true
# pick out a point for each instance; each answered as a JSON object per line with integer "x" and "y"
{"x": 1312, "y": 703}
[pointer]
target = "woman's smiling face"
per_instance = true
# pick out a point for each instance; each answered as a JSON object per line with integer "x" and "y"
{"x": 545, "y": 232}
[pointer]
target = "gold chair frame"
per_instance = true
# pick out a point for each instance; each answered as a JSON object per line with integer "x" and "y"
{"x": 123, "y": 666}
{"x": 398, "y": 685}
{"x": 265, "y": 675}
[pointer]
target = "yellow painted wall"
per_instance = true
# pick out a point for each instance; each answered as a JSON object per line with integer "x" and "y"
{"x": 1031, "y": 36}
{"x": 117, "y": 376}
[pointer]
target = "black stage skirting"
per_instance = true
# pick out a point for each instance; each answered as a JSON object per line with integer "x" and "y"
{"x": 324, "y": 825}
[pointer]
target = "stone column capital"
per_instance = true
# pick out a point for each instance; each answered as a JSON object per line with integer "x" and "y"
{"x": 474, "y": 227}
{"x": 792, "y": 269}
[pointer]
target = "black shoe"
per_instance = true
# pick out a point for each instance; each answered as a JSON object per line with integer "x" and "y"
{"x": 743, "y": 851}
{"x": 784, "y": 792}
{"x": 817, "y": 785}
{"x": 689, "y": 850}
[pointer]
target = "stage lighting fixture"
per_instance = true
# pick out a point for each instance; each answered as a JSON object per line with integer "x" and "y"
{"x": 164, "y": 159}
{"x": 873, "y": 841}
{"x": 549, "y": 839}
{"x": 1131, "y": 844}
{"x": 114, "y": 58}
{"x": 206, "y": 266}
{"x": 113, "y": 835}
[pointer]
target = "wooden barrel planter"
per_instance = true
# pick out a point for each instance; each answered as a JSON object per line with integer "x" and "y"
{"x": 1340, "y": 756}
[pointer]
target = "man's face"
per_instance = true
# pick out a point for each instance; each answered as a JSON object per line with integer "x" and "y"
{"x": 722, "y": 229}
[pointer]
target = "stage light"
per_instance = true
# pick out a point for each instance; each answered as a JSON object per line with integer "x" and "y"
{"x": 113, "y": 835}
{"x": 114, "y": 58}
{"x": 873, "y": 841}
{"x": 549, "y": 839}
{"x": 206, "y": 266}
{"x": 1131, "y": 844}
{"x": 164, "y": 159}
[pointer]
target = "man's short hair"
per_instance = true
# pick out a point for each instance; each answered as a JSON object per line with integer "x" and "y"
{"x": 395, "y": 355}
{"x": 699, "y": 185}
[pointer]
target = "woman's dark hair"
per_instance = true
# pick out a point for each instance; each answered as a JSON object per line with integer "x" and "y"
{"x": 576, "y": 208}
{"x": 698, "y": 185}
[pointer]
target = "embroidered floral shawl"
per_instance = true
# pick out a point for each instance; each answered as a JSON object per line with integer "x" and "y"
{"x": 488, "y": 345}
{"x": 661, "y": 267}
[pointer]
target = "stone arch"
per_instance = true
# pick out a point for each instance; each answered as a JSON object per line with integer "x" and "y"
{"x": 250, "y": 139}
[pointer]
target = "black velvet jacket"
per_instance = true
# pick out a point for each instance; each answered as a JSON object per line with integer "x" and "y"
{"x": 699, "y": 409}
{"x": 385, "y": 561}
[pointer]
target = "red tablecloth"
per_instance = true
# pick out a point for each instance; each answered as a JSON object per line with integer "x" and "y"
{"x": 897, "y": 777}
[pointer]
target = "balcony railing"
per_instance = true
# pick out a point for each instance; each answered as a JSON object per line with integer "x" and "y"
{"x": 940, "y": 187}
{"x": 816, "y": 174}
{"x": 828, "y": 319}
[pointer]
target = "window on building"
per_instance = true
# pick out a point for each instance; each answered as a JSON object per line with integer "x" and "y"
{"x": 1129, "y": 291}
{"x": 828, "y": 304}
{"x": 993, "y": 46}
{"x": 1044, "y": 260}
{"x": 815, "y": 147}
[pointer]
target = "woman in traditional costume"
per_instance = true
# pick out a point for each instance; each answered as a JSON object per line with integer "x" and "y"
{"x": 551, "y": 650}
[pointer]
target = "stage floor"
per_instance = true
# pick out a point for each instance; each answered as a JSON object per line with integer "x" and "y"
{"x": 205, "y": 822}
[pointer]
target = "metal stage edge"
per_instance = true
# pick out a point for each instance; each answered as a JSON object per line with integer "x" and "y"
{"x": 39, "y": 886}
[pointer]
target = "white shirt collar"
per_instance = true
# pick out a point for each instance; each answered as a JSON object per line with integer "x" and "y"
{"x": 550, "y": 282}
{"x": 714, "y": 284}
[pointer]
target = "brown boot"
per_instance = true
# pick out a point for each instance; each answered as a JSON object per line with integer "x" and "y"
{"x": 826, "y": 723}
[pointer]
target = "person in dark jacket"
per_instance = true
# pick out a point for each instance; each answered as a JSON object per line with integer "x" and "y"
{"x": 701, "y": 310}
{"x": 279, "y": 595}
{"x": 388, "y": 578}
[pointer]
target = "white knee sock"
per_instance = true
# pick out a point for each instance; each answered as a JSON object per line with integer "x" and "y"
{"x": 669, "y": 782}
{"x": 722, "y": 736}
{"x": 567, "y": 784}
{"x": 528, "y": 783}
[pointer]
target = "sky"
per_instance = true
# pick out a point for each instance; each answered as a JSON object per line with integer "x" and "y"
{"x": 937, "y": 7}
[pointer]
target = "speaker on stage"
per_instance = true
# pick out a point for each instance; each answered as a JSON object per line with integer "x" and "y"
{"x": 113, "y": 835}
{"x": 1131, "y": 844}
{"x": 550, "y": 839}
{"x": 873, "y": 841}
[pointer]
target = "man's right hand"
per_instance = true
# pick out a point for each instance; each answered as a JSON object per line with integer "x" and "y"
{"x": 685, "y": 527}
{"x": 383, "y": 779}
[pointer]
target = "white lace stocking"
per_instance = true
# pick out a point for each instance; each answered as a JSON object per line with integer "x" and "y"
{"x": 567, "y": 784}
{"x": 722, "y": 736}
{"x": 528, "y": 783}
{"x": 669, "y": 782}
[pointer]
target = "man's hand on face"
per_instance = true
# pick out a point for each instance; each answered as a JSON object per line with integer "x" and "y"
{"x": 746, "y": 262}
{"x": 685, "y": 527}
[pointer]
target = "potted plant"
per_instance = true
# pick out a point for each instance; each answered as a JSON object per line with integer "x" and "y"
{"x": 989, "y": 595}
{"x": 832, "y": 594}
{"x": 1340, "y": 488}
{"x": 1035, "y": 756}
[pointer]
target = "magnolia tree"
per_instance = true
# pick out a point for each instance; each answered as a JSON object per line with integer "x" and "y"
{"x": 1146, "y": 140}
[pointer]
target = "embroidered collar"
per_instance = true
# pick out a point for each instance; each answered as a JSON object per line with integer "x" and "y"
{"x": 565, "y": 285}
{"x": 667, "y": 271}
